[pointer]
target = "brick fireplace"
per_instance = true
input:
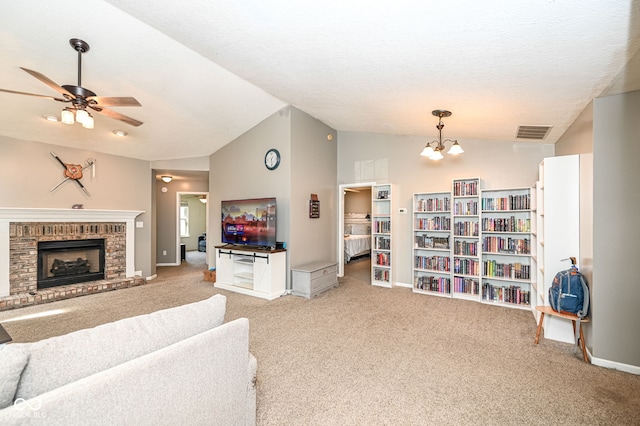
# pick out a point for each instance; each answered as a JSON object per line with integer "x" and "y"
{"x": 23, "y": 231}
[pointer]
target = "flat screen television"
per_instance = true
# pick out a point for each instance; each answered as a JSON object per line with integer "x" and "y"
{"x": 249, "y": 222}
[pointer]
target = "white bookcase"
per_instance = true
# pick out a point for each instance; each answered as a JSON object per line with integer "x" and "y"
{"x": 506, "y": 247}
{"x": 465, "y": 224}
{"x": 382, "y": 273}
{"x": 432, "y": 243}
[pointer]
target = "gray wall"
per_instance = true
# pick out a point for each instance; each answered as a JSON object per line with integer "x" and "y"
{"x": 616, "y": 175}
{"x": 28, "y": 172}
{"x": 237, "y": 171}
{"x": 366, "y": 157}
{"x": 166, "y": 215}
{"x": 313, "y": 171}
{"x": 308, "y": 165}
{"x": 578, "y": 138}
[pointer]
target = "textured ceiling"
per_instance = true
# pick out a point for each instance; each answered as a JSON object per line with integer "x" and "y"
{"x": 207, "y": 71}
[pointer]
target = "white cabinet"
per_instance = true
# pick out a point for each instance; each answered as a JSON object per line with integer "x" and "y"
{"x": 558, "y": 233}
{"x": 259, "y": 273}
{"x": 382, "y": 224}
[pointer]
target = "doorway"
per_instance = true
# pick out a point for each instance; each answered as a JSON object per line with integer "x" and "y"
{"x": 354, "y": 223}
{"x": 192, "y": 213}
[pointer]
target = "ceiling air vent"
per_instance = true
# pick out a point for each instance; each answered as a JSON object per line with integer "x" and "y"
{"x": 533, "y": 132}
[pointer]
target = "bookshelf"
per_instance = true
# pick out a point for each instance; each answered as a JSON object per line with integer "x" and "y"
{"x": 506, "y": 247}
{"x": 465, "y": 223}
{"x": 381, "y": 235}
{"x": 432, "y": 243}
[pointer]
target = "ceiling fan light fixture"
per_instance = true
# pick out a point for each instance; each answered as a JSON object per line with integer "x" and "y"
{"x": 88, "y": 122}
{"x": 67, "y": 116}
{"x": 81, "y": 116}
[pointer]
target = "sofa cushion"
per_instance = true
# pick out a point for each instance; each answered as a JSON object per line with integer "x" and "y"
{"x": 13, "y": 359}
{"x": 202, "y": 380}
{"x": 64, "y": 359}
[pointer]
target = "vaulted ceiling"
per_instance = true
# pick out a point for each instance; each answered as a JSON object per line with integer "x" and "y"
{"x": 206, "y": 71}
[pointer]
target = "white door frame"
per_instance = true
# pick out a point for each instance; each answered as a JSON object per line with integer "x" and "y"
{"x": 179, "y": 194}
{"x": 341, "y": 191}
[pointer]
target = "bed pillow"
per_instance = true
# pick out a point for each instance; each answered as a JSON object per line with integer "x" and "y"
{"x": 360, "y": 229}
{"x": 347, "y": 230}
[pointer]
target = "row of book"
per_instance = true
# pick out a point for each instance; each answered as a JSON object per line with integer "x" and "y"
{"x": 382, "y": 259}
{"x": 439, "y": 223}
{"x": 506, "y": 294}
{"x": 381, "y": 274}
{"x": 515, "y": 270}
{"x": 465, "y": 248}
{"x": 467, "y": 208}
{"x": 382, "y": 243}
{"x": 382, "y": 226}
{"x": 466, "y": 266}
{"x": 512, "y": 202}
{"x": 429, "y": 283}
{"x": 466, "y": 285}
{"x": 433, "y": 205}
{"x": 506, "y": 224}
{"x": 466, "y": 229}
{"x": 465, "y": 188}
{"x": 426, "y": 241}
{"x": 434, "y": 263}
{"x": 506, "y": 245}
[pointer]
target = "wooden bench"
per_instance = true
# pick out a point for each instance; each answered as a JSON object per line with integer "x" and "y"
{"x": 548, "y": 311}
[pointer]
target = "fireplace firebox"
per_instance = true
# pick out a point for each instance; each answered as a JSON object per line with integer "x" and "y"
{"x": 70, "y": 262}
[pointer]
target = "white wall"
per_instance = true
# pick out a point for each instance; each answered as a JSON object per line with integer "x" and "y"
{"x": 366, "y": 157}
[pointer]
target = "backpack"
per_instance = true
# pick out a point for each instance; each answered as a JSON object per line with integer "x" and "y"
{"x": 569, "y": 293}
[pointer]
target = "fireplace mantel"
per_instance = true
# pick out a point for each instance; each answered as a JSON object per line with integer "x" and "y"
{"x": 25, "y": 215}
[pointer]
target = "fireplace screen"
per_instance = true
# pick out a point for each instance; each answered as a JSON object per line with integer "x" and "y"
{"x": 70, "y": 262}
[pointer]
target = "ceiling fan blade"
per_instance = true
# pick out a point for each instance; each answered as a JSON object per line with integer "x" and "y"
{"x": 117, "y": 116}
{"x": 46, "y": 80}
{"x": 33, "y": 94}
{"x": 114, "y": 101}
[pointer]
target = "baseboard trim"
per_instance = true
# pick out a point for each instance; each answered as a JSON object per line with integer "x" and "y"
{"x": 167, "y": 264}
{"x": 614, "y": 365}
{"x": 152, "y": 277}
{"x": 405, "y": 285}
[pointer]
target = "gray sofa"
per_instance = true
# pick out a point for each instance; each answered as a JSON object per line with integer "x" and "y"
{"x": 176, "y": 366}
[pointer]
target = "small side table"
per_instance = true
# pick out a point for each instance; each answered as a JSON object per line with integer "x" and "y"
{"x": 549, "y": 311}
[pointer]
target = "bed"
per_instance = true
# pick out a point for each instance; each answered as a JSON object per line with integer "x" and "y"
{"x": 357, "y": 236}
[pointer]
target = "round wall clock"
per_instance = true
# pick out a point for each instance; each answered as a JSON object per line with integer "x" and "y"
{"x": 272, "y": 159}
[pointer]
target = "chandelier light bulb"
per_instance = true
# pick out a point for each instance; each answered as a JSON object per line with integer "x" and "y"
{"x": 66, "y": 116}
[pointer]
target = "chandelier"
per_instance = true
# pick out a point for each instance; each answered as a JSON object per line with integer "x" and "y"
{"x": 435, "y": 152}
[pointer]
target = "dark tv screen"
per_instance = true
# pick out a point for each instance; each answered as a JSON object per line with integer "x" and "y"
{"x": 249, "y": 222}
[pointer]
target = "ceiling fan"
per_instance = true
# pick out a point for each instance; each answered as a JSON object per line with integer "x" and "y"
{"x": 80, "y": 98}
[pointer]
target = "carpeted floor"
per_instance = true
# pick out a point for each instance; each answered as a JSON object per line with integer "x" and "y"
{"x": 362, "y": 355}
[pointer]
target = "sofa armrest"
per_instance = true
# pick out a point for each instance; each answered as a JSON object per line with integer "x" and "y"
{"x": 199, "y": 380}
{"x": 252, "y": 370}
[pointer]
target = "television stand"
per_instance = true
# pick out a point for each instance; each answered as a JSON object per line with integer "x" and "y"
{"x": 253, "y": 271}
